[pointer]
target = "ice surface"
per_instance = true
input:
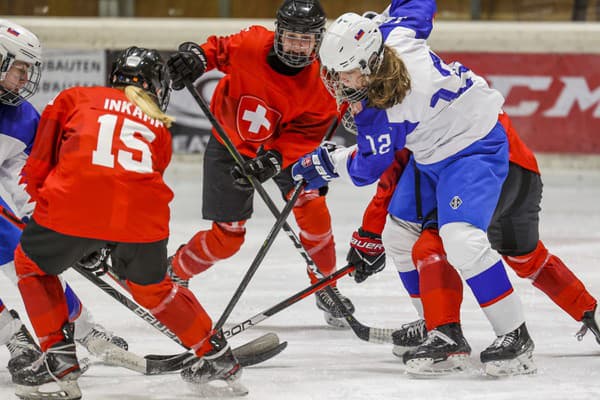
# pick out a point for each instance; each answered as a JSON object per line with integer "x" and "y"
{"x": 324, "y": 363}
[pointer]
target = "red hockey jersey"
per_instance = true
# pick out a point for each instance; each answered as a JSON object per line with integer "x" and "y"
{"x": 96, "y": 168}
{"x": 259, "y": 106}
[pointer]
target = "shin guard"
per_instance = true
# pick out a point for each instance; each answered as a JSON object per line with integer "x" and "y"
{"x": 44, "y": 300}
{"x": 440, "y": 284}
{"x": 178, "y": 309}
{"x": 314, "y": 221}
{"x": 223, "y": 240}
{"x": 549, "y": 274}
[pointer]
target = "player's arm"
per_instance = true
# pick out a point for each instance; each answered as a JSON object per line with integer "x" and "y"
{"x": 192, "y": 59}
{"x": 416, "y": 15}
{"x": 47, "y": 143}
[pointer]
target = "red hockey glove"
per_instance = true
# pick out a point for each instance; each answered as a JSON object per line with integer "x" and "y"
{"x": 366, "y": 254}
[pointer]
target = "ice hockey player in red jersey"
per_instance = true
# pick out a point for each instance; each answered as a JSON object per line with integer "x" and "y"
{"x": 274, "y": 108}
{"x": 105, "y": 149}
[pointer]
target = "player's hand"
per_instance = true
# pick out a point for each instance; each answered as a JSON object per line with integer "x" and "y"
{"x": 366, "y": 254}
{"x": 263, "y": 167}
{"x": 316, "y": 168}
{"x": 187, "y": 65}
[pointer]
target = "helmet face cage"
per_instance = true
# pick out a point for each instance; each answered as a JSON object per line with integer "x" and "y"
{"x": 301, "y": 22}
{"x": 145, "y": 69}
{"x": 338, "y": 90}
{"x": 17, "y": 44}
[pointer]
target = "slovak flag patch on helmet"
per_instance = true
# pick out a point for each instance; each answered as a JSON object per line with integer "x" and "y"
{"x": 12, "y": 31}
{"x": 359, "y": 34}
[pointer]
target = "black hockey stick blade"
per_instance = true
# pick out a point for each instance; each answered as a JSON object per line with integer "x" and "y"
{"x": 254, "y": 352}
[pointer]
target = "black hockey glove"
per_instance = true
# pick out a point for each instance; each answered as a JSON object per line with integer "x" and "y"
{"x": 187, "y": 65}
{"x": 366, "y": 254}
{"x": 262, "y": 167}
{"x": 95, "y": 262}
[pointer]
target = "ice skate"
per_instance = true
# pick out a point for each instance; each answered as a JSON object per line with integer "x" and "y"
{"x": 408, "y": 337}
{"x": 54, "y": 375}
{"x": 591, "y": 321}
{"x": 174, "y": 277}
{"x": 23, "y": 349}
{"x": 445, "y": 351}
{"x": 510, "y": 354}
{"x": 99, "y": 340}
{"x": 333, "y": 316}
{"x": 217, "y": 373}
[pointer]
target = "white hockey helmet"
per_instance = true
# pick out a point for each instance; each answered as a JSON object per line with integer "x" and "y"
{"x": 19, "y": 44}
{"x": 351, "y": 42}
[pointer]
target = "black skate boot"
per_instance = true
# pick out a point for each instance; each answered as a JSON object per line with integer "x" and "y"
{"x": 23, "y": 349}
{"x": 408, "y": 337}
{"x": 174, "y": 277}
{"x": 510, "y": 354}
{"x": 591, "y": 321}
{"x": 445, "y": 351}
{"x": 57, "y": 369}
{"x": 219, "y": 364}
{"x": 333, "y": 316}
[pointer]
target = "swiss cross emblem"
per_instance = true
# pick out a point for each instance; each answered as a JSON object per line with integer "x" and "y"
{"x": 455, "y": 202}
{"x": 256, "y": 121}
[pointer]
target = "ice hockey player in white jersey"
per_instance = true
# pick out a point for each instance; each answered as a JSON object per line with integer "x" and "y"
{"x": 403, "y": 95}
{"x": 21, "y": 62}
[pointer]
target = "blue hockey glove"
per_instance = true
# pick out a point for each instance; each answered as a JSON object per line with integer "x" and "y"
{"x": 315, "y": 168}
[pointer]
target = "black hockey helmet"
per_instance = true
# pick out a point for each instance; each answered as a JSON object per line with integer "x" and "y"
{"x": 301, "y": 17}
{"x": 145, "y": 69}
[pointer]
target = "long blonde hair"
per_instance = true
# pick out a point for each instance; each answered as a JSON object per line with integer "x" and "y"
{"x": 147, "y": 104}
{"x": 390, "y": 84}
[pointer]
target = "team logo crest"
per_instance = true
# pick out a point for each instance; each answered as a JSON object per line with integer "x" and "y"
{"x": 455, "y": 202}
{"x": 256, "y": 121}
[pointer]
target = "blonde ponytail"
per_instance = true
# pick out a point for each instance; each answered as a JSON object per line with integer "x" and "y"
{"x": 147, "y": 104}
{"x": 390, "y": 84}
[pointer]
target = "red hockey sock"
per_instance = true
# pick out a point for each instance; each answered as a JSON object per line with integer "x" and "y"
{"x": 179, "y": 310}
{"x": 223, "y": 240}
{"x": 44, "y": 300}
{"x": 553, "y": 277}
{"x": 440, "y": 284}
{"x": 314, "y": 221}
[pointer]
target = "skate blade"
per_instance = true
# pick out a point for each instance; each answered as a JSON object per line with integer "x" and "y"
{"x": 219, "y": 388}
{"x": 522, "y": 365}
{"x": 338, "y": 323}
{"x": 428, "y": 367}
{"x": 61, "y": 390}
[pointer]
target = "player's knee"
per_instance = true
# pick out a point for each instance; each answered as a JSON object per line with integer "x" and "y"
{"x": 528, "y": 265}
{"x": 467, "y": 248}
{"x": 312, "y": 214}
{"x": 25, "y": 266}
{"x": 429, "y": 245}
{"x": 153, "y": 295}
{"x": 227, "y": 238}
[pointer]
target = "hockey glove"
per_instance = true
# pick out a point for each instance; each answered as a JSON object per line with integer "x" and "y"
{"x": 187, "y": 65}
{"x": 262, "y": 167}
{"x": 95, "y": 262}
{"x": 316, "y": 168}
{"x": 366, "y": 254}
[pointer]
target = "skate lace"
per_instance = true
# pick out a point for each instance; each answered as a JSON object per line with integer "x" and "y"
{"x": 19, "y": 342}
{"x": 505, "y": 340}
{"x": 66, "y": 349}
{"x": 415, "y": 329}
{"x": 435, "y": 335}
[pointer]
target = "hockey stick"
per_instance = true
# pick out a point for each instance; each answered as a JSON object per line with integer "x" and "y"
{"x": 266, "y": 346}
{"x": 255, "y": 320}
{"x": 369, "y": 334}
